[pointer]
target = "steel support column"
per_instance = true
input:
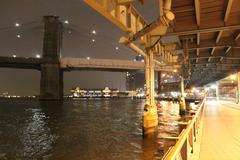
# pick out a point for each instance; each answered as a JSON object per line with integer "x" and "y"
{"x": 150, "y": 116}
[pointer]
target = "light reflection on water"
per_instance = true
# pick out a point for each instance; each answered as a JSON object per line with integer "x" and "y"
{"x": 99, "y": 129}
{"x": 35, "y": 136}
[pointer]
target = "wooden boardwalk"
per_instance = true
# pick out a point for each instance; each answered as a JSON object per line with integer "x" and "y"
{"x": 221, "y": 131}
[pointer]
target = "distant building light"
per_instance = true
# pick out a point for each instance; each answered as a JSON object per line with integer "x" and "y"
{"x": 117, "y": 48}
{"x": 165, "y": 81}
{"x": 142, "y": 60}
{"x": 38, "y": 56}
{"x": 175, "y": 70}
{"x": 94, "y": 32}
{"x": 93, "y": 40}
{"x": 134, "y": 59}
{"x": 88, "y": 58}
{"x": 14, "y": 56}
{"x": 193, "y": 89}
{"x": 18, "y": 36}
{"x": 163, "y": 75}
{"x": 17, "y": 25}
{"x": 213, "y": 86}
{"x": 66, "y": 22}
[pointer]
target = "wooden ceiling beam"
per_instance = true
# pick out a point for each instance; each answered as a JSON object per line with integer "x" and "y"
{"x": 228, "y": 10}
{"x": 204, "y": 30}
{"x": 195, "y": 47}
{"x": 213, "y": 49}
{"x": 197, "y": 11}
{"x": 228, "y": 49}
{"x": 237, "y": 37}
{"x": 198, "y": 38}
{"x": 183, "y": 9}
{"x": 209, "y": 59}
{"x": 216, "y": 63}
{"x": 223, "y": 42}
{"x": 219, "y": 36}
{"x": 204, "y": 57}
{"x": 197, "y": 52}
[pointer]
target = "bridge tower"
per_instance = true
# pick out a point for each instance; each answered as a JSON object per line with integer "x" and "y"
{"x": 51, "y": 85}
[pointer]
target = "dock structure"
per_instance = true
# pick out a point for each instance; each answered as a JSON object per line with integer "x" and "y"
{"x": 200, "y": 39}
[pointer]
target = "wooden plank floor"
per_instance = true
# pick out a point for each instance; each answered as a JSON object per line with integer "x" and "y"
{"x": 221, "y": 131}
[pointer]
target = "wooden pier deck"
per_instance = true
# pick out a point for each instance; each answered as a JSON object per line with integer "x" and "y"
{"x": 221, "y": 131}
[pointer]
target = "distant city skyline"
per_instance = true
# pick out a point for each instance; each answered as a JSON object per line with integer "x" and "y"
{"x": 71, "y": 79}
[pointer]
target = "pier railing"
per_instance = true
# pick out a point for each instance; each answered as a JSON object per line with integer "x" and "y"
{"x": 185, "y": 144}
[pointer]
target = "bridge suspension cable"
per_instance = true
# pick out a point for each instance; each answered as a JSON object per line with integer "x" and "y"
{"x": 23, "y": 26}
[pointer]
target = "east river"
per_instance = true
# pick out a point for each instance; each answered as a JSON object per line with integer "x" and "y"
{"x": 82, "y": 129}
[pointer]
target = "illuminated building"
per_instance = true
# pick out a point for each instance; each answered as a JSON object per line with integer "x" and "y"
{"x": 135, "y": 80}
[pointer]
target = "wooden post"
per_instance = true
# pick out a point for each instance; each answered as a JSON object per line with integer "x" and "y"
{"x": 182, "y": 104}
{"x": 159, "y": 82}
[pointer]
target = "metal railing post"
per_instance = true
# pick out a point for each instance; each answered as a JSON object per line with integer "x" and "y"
{"x": 180, "y": 151}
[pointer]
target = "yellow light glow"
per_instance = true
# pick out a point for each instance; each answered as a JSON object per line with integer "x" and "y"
{"x": 193, "y": 89}
{"x": 163, "y": 75}
{"x": 233, "y": 77}
{"x": 175, "y": 70}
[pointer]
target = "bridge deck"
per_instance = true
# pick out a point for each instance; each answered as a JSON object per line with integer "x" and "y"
{"x": 221, "y": 131}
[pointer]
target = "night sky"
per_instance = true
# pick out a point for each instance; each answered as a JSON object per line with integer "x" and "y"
{"x": 77, "y": 42}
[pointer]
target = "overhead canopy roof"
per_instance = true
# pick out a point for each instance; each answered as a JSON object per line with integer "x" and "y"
{"x": 212, "y": 28}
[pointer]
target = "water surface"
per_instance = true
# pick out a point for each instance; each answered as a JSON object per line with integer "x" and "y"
{"x": 82, "y": 129}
